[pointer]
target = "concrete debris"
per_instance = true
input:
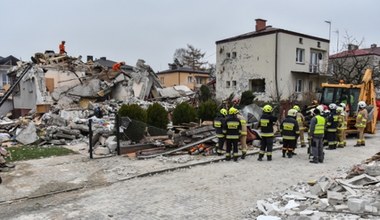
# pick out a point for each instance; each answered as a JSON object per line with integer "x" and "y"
{"x": 341, "y": 197}
{"x": 27, "y": 135}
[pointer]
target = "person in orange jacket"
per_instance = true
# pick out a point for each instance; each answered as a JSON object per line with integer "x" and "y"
{"x": 62, "y": 49}
{"x": 117, "y": 66}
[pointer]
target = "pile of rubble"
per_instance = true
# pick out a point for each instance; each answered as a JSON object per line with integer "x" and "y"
{"x": 352, "y": 196}
{"x": 61, "y": 93}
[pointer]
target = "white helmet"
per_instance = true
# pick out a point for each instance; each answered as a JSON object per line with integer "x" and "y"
{"x": 292, "y": 112}
{"x": 339, "y": 109}
{"x": 320, "y": 108}
{"x": 343, "y": 105}
{"x": 362, "y": 104}
{"x": 332, "y": 106}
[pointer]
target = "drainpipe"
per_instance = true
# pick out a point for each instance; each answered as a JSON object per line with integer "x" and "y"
{"x": 276, "y": 67}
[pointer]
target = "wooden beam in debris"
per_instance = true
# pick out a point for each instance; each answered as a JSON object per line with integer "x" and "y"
{"x": 177, "y": 149}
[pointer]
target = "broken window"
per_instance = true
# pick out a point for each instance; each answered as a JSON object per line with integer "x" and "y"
{"x": 228, "y": 55}
{"x": 257, "y": 85}
{"x": 228, "y": 84}
{"x": 300, "y": 55}
{"x": 233, "y": 55}
{"x": 234, "y": 84}
{"x": 189, "y": 79}
{"x": 5, "y": 80}
{"x": 299, "y": 83}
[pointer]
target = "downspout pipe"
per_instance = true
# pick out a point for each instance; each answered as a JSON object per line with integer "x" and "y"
{"x": 276, "y": 68}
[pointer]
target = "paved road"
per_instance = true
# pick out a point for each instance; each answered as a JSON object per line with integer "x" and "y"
{"x": 224, "y": 190}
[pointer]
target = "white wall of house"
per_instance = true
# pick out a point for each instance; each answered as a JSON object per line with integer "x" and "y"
{"x": 255, "y": 59}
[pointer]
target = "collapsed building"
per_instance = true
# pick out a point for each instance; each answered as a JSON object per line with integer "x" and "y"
{"x": 51, "y": 98}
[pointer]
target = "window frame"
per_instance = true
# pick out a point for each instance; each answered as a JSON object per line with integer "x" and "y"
{"x": 300, "y": 55}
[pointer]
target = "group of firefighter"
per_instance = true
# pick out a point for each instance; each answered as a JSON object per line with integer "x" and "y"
{"x": 327, "y": 127}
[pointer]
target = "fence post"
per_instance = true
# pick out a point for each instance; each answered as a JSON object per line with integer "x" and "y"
{"x": 118, "y": 133}
{"x": 90, "y": 136}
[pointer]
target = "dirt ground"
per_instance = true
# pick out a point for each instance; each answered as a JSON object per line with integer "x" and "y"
{"x": 105, "y": 189}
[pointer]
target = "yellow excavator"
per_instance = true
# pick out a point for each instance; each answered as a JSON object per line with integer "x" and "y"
{"x": 351, "y": 94}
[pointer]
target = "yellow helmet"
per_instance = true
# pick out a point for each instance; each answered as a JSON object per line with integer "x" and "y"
{"x": 223, "y": 111}
{"x": 267, "y": 108}
{"x": 232, "y": 111}
{"x": 297, "y": 108}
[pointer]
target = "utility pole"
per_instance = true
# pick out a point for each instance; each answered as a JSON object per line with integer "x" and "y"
{"x": 337, "y": 41}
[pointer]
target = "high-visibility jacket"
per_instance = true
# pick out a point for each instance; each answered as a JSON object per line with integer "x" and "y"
{"x": 361, "y": 118}
{"x": 220, "y": 126}
{"x": 243, "y": 123}
{"x": 266, "y": 124}
{"x": 116, "y": 67}
{"x": 289, "y": 128}
{"x": 62, "y": 49}
{"x": 317, "y": 125}
{"x": 233, "y": 127}
{"x": 342, "y": 124}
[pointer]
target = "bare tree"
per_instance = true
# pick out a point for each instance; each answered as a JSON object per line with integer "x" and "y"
{"x": 350, "y": 64}
{"x": 191, "y": 57}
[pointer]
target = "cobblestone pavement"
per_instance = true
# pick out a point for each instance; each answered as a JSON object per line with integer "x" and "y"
{"x": 224, "y": 190}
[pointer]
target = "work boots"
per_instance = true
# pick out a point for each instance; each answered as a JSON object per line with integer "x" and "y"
{"x": 228, "y": 157}
{"x": 235, "y": 158}
{"x": 269, "y": 157}
{"x": 260, "y": 157}
{"x": 290, "y": 154}
{"x": 243, "y": 155}
{"x": 315, "y": 160}
{"x": 283, "y": 153}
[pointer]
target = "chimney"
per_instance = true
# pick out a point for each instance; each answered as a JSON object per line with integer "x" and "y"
{"x": 352, "y": 47}
{"x": 260, "y": 24}
{"x": 373, "y": 45}
{"x": 90, "y": 58}
{"x": 103, "y": 58}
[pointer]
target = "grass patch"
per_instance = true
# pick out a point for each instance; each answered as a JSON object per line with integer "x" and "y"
{"x": 36, "y": 152}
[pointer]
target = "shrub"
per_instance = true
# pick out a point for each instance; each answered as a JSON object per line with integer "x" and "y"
{"x": 207, "y": 110}
{"x": 205, "y": 93}
{"x": 184, "y": 113}
{"x": 247, "y": 98}
{"x": 137, "y": 126}
{"x": 157, "y": 118}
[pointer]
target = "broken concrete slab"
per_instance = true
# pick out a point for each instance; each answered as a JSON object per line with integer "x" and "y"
{"x": 355, "y": 205}
{"x": 28, "y": 135}
{"x": 334, "y": 198}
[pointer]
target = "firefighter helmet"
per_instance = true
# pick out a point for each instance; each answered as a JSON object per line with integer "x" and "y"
{"x": 292, "y": 112}
{"x": 362, "y": 104}
{"x": 332, "y": 106}
{"x": 339, "y": 109}
{"x": 232, "y": 111}
{"x": 223, "y": 111}
{"x": 297, "y": 108}
{"x": 267, "y": 108}
{"x": 343, "y": 105}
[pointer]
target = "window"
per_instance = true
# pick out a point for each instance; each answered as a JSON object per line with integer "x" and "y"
{"x": 299, "y": 83}
{"x": 5, "y": 80}
{"x": 310, "y": 86}
{"x": 257, "y": 85}
{"x": 199, "y": 80}
{"x": 234, "y": 84}
{"x": 314, "y": 56}
{"x": 300, "y": 40}
{"x": 228, "y": 84}
{"x": 300, "y": 55}
{"x": 228, "y": 55}
{"x": 319, "y": 44}
{"x": 233, "y": 55}
{"x": 189, "y": 79}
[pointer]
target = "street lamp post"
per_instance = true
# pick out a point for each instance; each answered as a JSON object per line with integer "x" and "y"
{"x": 329, "y": 22}
{"x": 337, "y": 41}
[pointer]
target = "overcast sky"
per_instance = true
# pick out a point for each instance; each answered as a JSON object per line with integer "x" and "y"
{"x": 126, "y": 30}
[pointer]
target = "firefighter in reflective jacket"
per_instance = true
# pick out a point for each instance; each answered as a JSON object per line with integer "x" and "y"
{"x": 243, "y": 135}
{"x": 289, "y": 132}
{"x": 301, "y": 121}
{"x": 233, "y": 129}
{"x": 331, "y": 127}
{"x": 317, "y": 130}
{"x": 361, "y": 123}
{"x": 342, "y": 125}
{"x": 266, "y": 123}
{"x": 220, "y": 129}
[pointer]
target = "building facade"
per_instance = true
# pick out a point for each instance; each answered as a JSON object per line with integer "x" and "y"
{"x": 275, "y": 64}
{"x": 183, "y": 76}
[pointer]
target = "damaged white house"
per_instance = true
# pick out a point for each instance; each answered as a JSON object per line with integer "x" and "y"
{"x": 273, "y": 63}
